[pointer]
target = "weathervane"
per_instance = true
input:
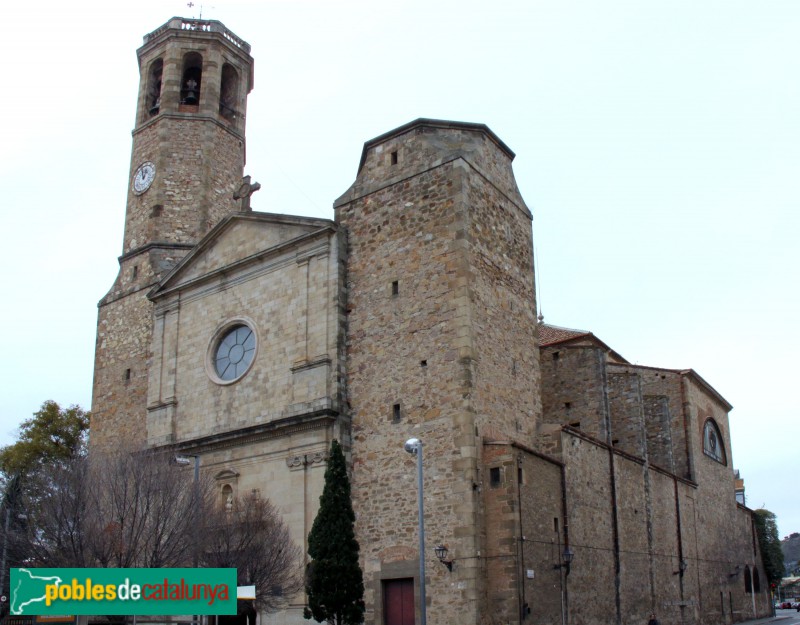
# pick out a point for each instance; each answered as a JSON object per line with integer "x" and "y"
{"x": 190, "y": 4}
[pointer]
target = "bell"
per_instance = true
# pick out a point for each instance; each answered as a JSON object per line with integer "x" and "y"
{"x": 191, "y": 93}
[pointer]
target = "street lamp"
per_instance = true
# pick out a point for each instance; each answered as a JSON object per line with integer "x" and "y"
{"x": 414, "y": 447}
{"x": 566, "y": 559}
{"x": 184, "y": 461}
{"x": 441, "y": 553}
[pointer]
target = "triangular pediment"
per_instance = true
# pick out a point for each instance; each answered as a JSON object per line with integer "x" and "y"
{"x": 239, "y": 240}
{"x": 226, "y": 475}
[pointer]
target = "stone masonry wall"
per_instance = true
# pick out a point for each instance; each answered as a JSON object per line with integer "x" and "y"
{"x": 504, "y": 352}
{"x": 199, "y": 165}
{"x": 122, "y": 351}
{"x": 658, "y": 431}
{"x": 574, "y": 388}
{"x": 669, "y": 448}
{"x": 402, "y": 351}
{"x": 416, "y": 292}
{"x": 660, "y": 520}
{"x": 627, "y": 414}
{"x": 524, "y": 535}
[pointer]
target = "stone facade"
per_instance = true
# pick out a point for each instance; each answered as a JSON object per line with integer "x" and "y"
{"x": 411, "y": 314}
{"x": 428, "y": 201}
{"x": 198, "y": 152}
{"x": 647, "y": 495}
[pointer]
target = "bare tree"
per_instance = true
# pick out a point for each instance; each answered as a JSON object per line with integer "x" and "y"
{"x": 143, "y": 511}
{"x": 126, "y": 510}
{"x": 57, "y": 517}
{"x": 249, "y": 534}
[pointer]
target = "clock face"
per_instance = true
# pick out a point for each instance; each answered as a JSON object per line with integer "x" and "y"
{"x": 143, "y": 177}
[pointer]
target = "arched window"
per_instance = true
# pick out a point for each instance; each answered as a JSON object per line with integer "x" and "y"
{"x": 712, "y": 442}
{"x": 191, "y": 78}
{"x": 748, "y": 586}
{"x": 153, "y": 99}
{"x": 756, "y": 581}
{"x": 228, "y": 91}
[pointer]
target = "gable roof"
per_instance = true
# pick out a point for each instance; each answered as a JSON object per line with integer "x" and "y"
{"x": 550, "y": 335}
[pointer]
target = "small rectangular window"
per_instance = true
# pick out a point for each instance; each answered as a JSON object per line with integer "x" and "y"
{"x": 135, "y": 271}
{"x": 494, "y": 477}
{"x": 394, "y": 157}
{"x": 127, "y": 374}
{"x": 519, "y": 475}
{"x": 395, "y": 288}
{"x": 396, "y": 413}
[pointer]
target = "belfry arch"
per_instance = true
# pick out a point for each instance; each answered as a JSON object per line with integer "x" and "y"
{"x": 191, "y": 78}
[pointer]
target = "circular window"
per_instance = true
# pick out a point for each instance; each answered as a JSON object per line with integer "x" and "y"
{"x": 233, "y": 352}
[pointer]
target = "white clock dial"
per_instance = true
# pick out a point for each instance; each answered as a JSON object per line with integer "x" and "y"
{"x": 143, "y": 177}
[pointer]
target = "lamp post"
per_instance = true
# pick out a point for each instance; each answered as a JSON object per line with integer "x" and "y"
{"x": 184, "y": 461}
{"x": 414, "y": 447}
{"x": 566, "y": 560}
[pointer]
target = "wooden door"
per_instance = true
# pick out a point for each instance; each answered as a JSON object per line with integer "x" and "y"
{"x": 398, "y": 601}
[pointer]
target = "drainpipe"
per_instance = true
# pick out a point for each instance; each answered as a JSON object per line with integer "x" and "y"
{"x": 565, "y": 518}
{"x": 522, "y": 604}
{"x": 687, "y": 445}
{"x": 681, "y": 568}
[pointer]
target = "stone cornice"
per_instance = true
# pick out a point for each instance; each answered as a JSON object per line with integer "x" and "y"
{"x": 279, "y": 428}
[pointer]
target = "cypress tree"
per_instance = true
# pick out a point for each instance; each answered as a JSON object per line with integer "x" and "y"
{"x": 334, "y": 582}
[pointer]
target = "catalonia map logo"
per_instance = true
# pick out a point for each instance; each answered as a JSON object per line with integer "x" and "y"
{"x": 97, "y": 591}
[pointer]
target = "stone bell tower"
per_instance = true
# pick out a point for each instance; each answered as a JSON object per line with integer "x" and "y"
{"x": 187, "y": 160}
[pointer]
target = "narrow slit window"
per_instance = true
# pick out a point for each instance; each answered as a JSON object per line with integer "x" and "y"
{"x": 395, "y": 288}
{"x": 494, "y": 477}
{"x": 127, "y": 375}
{"x": 396, "y": 413}
{"x": 394, "y": 157}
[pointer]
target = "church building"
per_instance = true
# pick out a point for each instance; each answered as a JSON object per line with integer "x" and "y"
{"x": 568, "y": 485}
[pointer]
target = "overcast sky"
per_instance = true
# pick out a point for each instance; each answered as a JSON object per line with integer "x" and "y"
{"x": 657, "y": 143}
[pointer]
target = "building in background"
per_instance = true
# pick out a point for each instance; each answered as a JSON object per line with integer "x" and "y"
{"x": 568, "y": 485}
